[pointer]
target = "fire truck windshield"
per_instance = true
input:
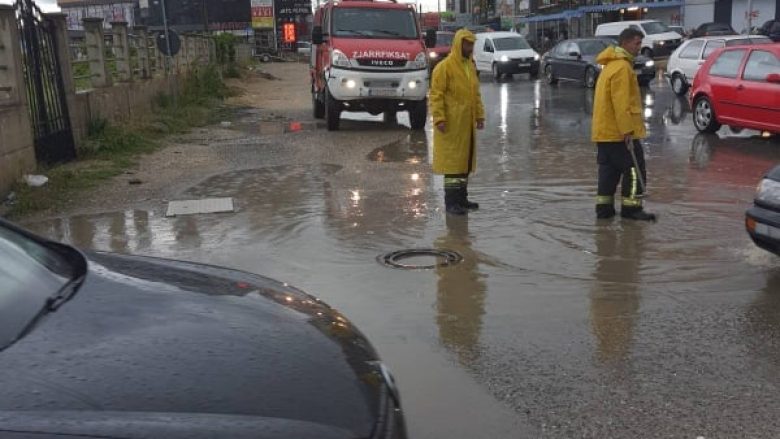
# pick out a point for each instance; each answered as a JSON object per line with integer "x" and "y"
{"x": 374, "y": 23}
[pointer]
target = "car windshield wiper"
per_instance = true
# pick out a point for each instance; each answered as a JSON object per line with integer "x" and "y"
{"x": 65, "y": 293}
{"x": 393, "y": 33}
{"x": 353, "y": 32}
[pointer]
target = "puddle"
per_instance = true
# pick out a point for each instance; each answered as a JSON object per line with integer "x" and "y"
{"x": 412, "y": 149}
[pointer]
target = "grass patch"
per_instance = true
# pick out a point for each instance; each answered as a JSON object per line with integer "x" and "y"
{"x": 111, "y": 149}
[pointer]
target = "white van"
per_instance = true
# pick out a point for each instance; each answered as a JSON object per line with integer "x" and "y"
{"x": 658, "y": 40}
{"x": 505, "y": 53}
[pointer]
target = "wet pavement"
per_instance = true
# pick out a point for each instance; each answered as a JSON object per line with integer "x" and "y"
{"x": 554, "y": 324}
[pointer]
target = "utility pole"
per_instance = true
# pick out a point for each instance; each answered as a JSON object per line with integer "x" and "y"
{"x": 749, "y": 16}
{"x": 205, "y": 16}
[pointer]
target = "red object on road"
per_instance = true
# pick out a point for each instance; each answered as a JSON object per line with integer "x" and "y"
{"x": 738, "y": 86}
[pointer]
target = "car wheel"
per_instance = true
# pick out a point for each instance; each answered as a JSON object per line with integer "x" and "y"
{"x": 332, "y": 112}
{"x": 679, "y": 87}
{"x": 418, "y": 114}
{"x": 265, "y": 57}
{"x": 590, "y": 77}
{"x": 704, "y": 116}
{"x": 496, "y": 72}
{"x": 317, "y": 106}
{"x": 548, "y": 75}
{"x": 647, "y": 52}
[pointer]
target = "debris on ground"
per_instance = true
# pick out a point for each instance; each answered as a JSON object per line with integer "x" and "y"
{"x": 35, "y": 180}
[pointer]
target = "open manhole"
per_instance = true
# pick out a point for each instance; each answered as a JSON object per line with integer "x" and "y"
{"x": 419, "y": 258}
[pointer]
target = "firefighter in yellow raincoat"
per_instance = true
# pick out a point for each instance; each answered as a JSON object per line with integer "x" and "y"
{"x": 456, "y": 108}
{"x": 617, "y": 126}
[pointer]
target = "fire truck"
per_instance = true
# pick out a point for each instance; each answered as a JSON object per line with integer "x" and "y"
{"x": 368, "y": 55}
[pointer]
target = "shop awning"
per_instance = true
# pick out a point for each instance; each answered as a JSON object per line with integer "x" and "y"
{"x": 579, "y": 12}
{"x": 619, "y": 6}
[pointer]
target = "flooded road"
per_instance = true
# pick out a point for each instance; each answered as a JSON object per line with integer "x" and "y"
{"x": 554, "y": 324}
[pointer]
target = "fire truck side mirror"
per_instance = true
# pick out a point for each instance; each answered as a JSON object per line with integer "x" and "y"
{"x": 316, "y": 35}
{"x": 430, "y": 38}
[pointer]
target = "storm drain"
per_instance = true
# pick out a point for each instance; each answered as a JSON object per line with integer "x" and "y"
{"x": 192, "y": 207}
{"x": 419, "y": 258}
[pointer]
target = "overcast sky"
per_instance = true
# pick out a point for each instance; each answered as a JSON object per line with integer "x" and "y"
{"x": 45, "y": 5}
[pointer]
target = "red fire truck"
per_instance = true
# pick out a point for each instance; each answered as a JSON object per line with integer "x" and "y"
{"x": 368, "y": 55}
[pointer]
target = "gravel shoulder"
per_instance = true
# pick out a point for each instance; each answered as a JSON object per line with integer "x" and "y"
{"x": 269, "y": 123}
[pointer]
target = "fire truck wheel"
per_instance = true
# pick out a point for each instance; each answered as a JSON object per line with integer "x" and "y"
{"x": 418, "y": 114}
{"x": 332, "y": 112}
{"x": 319, "y": 107}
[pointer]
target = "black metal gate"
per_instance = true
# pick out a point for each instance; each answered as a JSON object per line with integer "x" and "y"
{"x": 45, "y": 87}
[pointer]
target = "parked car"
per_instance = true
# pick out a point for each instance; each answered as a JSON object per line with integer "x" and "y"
{"x": 575, "y": 60}
{"x": 686, "y": 60}
{"x": 107, "y": 345}
{"x": 441, "y": 49}
{"x": 304, "y": 47}
{"x": 771, "y": 29}
{"x": 740, "y": 87}
{"x": 762, "y": 220}
{"x": 680, "y": 30}
{"x": 505, "y": 53}
{"x": 713, "y": 29}
{"x": 658, "y": 39}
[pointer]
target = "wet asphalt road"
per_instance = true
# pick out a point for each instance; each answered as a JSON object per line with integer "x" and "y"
{"x": 554, "y": 325}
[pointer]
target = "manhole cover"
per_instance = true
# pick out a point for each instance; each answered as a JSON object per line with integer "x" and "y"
{"x": 405, "y": 259}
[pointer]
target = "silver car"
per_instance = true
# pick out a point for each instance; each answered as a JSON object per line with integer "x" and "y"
{"x": 685, "y": 61}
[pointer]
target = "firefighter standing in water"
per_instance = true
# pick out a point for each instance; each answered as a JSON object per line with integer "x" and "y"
{"x": 456, "y": 108}
{"x": 617, "y": 126}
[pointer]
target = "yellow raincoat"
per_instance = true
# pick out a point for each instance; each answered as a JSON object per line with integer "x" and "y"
{"x": 455, "y": 99}
{"x": 617, "y": 107}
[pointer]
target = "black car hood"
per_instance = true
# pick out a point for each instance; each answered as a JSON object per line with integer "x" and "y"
{"x": 133, "y": 425}
{"x": 153, "y": 335}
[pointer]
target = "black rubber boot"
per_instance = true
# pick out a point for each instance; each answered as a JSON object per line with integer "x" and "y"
{"x": 465, "y": 200}
{"x": 452, "y": 201}
{"x": 637, "y": 213}
{"x": 605, "y": 211}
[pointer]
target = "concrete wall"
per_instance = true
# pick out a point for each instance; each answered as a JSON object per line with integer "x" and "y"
{"x": 698, "y": 12}
{"x": 17, "y": 152}
{"x": 116, "y": 104}
{"x": 766, "y": 9}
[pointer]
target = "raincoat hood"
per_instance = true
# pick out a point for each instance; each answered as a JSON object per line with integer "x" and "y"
{"x": 457, "y": 43}
{"x": 613, "y": 53}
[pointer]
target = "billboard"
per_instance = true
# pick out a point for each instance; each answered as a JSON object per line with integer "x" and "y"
{"x": 262, "y": 14}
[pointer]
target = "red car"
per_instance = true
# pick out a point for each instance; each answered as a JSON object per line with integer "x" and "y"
{"x": 738, "y": 86}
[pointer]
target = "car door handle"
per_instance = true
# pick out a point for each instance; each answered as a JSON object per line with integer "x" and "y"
{"x": 740, "y": 87}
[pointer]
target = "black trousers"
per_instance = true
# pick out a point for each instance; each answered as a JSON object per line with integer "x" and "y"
{"x": 615, "y": 163}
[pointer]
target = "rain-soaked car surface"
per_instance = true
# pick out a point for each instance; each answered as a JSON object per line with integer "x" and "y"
{"x": 554, "y": 325}
{"x": 112, "y": 346}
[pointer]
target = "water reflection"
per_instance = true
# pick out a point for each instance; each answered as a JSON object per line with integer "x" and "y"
{"x": 739, "y": 159}
{"x": 412, "y": 149}
{"x": 460, "y": 293}
{"x": 678, "y": 110}
{"x": 614, "y": 299}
